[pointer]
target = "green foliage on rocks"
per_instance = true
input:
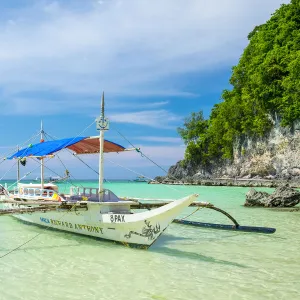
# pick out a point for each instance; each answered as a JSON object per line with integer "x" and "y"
{"x": 265, "y": 85}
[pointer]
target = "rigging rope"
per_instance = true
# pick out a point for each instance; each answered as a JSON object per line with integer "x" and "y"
{"x": 170, "y": 187}
{"x": 191, "y": 213}
{"x": 12, "y": 152}
{"x": 53, "y": 138}
{"x": 143, "y": 155}
{"x": 86, "y": 164}
{"x": 8, "y": 170}
{"x": 66, "y": 170}
{"x": 28, "y": 241}
{"x": 74, "y": 156}
{"x": 139, "y": 151}
{"x": 28, "y": 173}
{"x": 68, "y": 180}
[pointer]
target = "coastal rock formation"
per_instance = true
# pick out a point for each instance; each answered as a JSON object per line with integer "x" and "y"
{"x": 255, "y": 198}
{"x": 274, "y": 156}
{"x": 283, "y": 196}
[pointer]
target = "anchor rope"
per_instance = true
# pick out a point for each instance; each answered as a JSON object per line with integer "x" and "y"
{"x": 28, "y": 241}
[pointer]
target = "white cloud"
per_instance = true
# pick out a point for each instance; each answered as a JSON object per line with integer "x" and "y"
{"x": 161, "y": 139}
{"x": 124, "y": 47}
{"x": 135, "y": 105}
{"x": 154, "y": 118}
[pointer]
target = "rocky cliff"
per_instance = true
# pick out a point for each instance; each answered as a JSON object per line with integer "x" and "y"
{"x": 276, "y": 155}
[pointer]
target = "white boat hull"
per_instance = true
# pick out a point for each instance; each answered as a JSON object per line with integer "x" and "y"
{"x": 139, "y": 229}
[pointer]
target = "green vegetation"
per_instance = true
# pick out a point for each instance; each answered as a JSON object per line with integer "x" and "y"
{"x": 266, "y": 85}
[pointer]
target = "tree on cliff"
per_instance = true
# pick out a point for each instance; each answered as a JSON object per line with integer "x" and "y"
{"x": 265, "y": 84}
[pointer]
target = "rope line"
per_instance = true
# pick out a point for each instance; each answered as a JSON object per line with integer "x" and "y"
{"x": 191, "y": 214}
{"x": 28, "y": 173}
{"x": 139, "y": 151}
{"x": 13, "y": 151}
{"x": 71, "y": 175}
{"x": 8, "y": 170}
{"x": 28, "y": 241}
{"x": 47, "y": 135}
{"x": 143, "y": 154}
{"x": 79, "y": 133}
{"x": 170, "y": 187}
{"x": 67, "y": 180}
{"x": 85, "y": 164}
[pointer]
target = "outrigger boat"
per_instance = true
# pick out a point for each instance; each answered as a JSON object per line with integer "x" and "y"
{"x": 89, "y": 211}
{"x": 97, "y": 211}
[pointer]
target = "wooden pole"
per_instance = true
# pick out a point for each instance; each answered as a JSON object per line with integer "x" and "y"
{"x": 18, "y": 168}
{"x": 42, "y": 159}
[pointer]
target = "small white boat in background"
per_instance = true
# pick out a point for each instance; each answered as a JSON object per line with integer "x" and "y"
{"x": 90, "y": 211}
{"x": 140, "y": 179}
{"x": 53, "y": 178}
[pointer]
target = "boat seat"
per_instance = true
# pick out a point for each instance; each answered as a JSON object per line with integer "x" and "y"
{"x": 108, "y": 196}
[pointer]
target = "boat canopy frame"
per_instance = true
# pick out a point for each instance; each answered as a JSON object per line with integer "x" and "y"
{"x": 79, "y": 145}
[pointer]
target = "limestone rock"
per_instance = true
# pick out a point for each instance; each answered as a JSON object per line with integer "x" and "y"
{"x": 255, "y": 198}
{"x": 272, "y": 156}
{"x": 283, "y": 197}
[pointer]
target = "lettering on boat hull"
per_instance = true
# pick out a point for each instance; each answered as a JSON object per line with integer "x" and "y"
{"x": 117, "y": 218}
{"x": 69, "y": 225}
{"x": 149, "y": 231}
{"x": 45, "y": 220}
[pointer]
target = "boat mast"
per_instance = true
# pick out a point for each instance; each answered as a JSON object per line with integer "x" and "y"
{"x": 102, "y": 125}
{"x": 42, "y": 159}
{"x": 18, "y": 167}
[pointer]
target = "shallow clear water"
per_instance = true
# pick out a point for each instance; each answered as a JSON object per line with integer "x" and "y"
{"x": 185, "y": 263}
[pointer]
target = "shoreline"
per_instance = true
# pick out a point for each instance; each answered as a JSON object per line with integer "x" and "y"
{"x": 238, "y": 182}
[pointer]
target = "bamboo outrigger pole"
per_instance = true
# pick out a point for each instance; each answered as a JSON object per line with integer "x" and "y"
{"x": 138, "y": 205}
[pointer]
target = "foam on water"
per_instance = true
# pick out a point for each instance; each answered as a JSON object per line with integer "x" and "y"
{"x": 185, "y": 263}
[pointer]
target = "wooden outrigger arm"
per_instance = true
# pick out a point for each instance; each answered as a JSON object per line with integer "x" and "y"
{"x": 53, "y": 205}
{"x": 236, "y": 226}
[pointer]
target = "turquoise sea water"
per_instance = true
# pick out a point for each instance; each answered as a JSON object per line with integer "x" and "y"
{"x": 185, "y": 263}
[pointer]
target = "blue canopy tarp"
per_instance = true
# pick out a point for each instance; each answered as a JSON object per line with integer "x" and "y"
{"x": 46, "y": 148}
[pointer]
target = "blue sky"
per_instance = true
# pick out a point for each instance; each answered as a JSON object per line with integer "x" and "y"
{"x": 157, "y": 62}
